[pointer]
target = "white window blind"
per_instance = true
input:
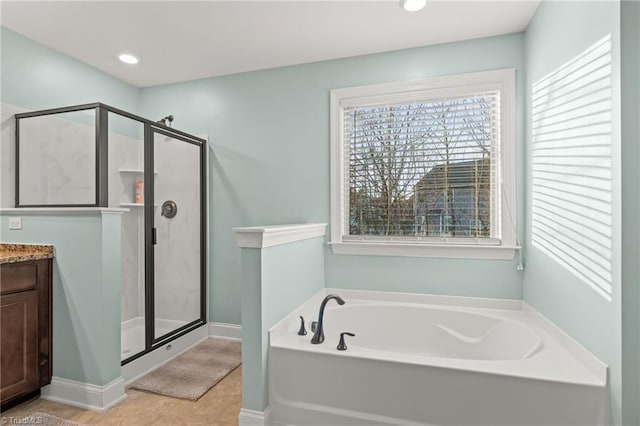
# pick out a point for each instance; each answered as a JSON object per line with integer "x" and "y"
{"x": 572, "y": 166}
{"x": 425, "y": 170}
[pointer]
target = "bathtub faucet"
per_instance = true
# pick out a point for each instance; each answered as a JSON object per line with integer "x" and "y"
{"x": 318, "y": 336}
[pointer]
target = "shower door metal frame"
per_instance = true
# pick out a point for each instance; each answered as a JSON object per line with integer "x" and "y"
{"x": 153, "y": 341}
{"x": 102, "y": 200}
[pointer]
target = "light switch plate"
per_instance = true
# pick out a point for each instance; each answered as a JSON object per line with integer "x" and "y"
{"x": 15, "y": 223}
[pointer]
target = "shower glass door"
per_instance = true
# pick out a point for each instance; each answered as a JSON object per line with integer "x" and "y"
{"x": 177, "y": 233}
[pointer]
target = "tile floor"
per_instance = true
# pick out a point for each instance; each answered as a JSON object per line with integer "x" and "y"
{"x": 218, "y": 407}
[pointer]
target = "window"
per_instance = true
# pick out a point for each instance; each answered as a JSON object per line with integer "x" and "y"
{"x": 425, "y": 168}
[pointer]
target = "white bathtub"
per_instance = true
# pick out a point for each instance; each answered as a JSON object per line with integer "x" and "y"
{"x": 435, "y": 360}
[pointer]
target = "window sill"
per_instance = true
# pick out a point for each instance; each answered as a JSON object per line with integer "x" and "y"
{"x": 426, "y": 250}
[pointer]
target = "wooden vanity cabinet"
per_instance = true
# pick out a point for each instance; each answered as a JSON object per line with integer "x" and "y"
{"x": 25, "y": 329}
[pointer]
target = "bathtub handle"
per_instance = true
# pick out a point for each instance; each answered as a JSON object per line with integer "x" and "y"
{"x": 342, "y": 346}
{"x": 302, "y": 331}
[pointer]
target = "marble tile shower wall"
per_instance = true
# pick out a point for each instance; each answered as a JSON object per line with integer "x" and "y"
{"x": 57, "y": 160}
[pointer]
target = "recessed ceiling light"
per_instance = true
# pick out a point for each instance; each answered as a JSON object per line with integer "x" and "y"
{"x": 128, "y": 59}
{"x": 412, "y": 5}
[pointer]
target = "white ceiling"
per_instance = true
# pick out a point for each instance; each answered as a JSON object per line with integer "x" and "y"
{"x": 179, "y": 40}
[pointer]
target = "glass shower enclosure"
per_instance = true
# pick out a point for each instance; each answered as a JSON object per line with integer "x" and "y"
{"x": 95, "y": 155}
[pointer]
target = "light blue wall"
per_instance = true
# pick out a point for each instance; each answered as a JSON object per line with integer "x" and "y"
{"x": 254, "y": 341}
{"x": 559, "y": 32}
{"x": 86, "y": 293}
{"x": 275, "y": 280}
{"x": 36, "y": 77}
{"x": 109, "y": 302}
{"x": 269, "y": 138}
{"x": 630, "y": 76}
{"x": 291, "y": 273}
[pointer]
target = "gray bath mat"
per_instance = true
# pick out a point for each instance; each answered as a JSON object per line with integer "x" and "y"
{"x": 46, "y": 420}
{"x": 192, "y": 374}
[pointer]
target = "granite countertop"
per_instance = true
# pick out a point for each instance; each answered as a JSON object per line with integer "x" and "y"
{"x": 12, "y": 253}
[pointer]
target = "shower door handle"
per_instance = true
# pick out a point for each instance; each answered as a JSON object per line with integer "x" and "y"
{"x": 154, "y": 236}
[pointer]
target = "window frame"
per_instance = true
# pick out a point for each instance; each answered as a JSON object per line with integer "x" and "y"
{"x": 409, "y": 91}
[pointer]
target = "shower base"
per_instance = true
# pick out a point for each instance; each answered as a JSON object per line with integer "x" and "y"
{"x": 132, "y": 338}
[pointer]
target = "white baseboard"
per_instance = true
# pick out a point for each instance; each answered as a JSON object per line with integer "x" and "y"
{"x": 227, "y": 331}
{"x": 85, "y": 395}
{"x": 254, "y": 418}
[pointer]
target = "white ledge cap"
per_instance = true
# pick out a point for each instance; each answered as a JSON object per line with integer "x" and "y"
{"x": 45, "y": 211}
{"x": 268, "y": 236}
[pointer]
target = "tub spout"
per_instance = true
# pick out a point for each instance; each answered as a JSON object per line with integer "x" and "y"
{"x": 318, "y": 335}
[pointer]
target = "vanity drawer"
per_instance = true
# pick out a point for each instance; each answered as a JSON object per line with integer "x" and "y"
{"x": 18, "y": 277}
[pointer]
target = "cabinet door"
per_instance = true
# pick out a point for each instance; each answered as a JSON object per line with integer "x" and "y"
{"x": 18, "y": 346}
